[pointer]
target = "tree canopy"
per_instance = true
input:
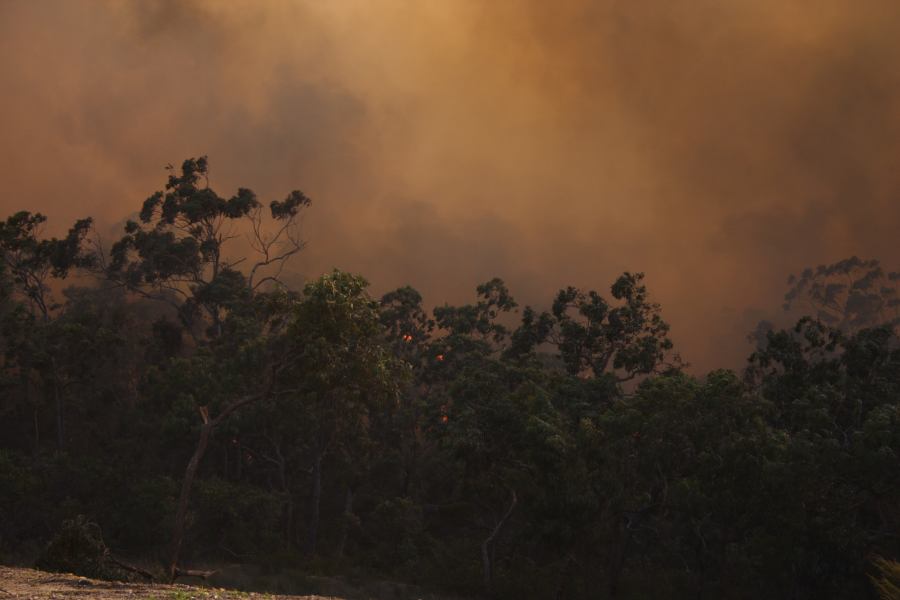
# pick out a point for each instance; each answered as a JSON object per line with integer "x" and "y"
{"x": 199, "y": 408}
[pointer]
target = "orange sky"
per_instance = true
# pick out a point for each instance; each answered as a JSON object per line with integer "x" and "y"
{"x": 717, "y": 146}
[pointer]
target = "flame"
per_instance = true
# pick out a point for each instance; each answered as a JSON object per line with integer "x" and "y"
{"x": 440, "y": 357}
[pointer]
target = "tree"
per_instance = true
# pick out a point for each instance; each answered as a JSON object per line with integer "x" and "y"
{"x": 597, "y": 338}
{"x": 340, "y": 371}
{"x": 683, "y": 462}
{"x": 835, "y": 400}
{"x": 32, "y": 262}
{"x": 489, "y": 417}
{"x": 497, "y": 417}
{"x": 177, "y": 252}
{"x": 239, "y": 369}
{"x": 849, "y": 295}
{"x": 408, "y": 331}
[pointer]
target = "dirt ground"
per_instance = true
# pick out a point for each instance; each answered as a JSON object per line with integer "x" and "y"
{"x": 29, "y": 583}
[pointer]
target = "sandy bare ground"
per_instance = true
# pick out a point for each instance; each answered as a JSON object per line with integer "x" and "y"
{"x": 29, "y": 583}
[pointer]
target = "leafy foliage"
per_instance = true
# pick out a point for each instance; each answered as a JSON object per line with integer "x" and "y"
{"x": 850, "y": 294}
{"x": 31, "y": 261}
{"x": 177, "y": 252}
{"x": 596, "y": 337}
{"x": 78, "y": 548}
{"x": 484, "y": 448}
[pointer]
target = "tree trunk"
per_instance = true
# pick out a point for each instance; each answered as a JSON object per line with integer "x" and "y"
{"x": 37, "y": 432}
{"x": 60, "y": 426}
{"x": 487, "y": 546}
{"x": 184, "y": 497}
{"x": 312, "y": 531}
{"x": 289, "y": 521}
{"x": 412, "y": 458}
{"x": 618, "y": 563}
{"x": 410, "y": 470}
{"x": 239, "y": 466}
{"x": 26, "y": 389}
{"x": 190, "y": 472}
{"x": 288, "y": 502}
{"x": 345, "y": 524}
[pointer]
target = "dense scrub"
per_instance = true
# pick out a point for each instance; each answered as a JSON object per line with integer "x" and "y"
{"x": 201, "y": 412}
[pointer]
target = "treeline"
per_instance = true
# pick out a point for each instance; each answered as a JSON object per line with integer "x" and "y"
{"x": 201, "y": 411}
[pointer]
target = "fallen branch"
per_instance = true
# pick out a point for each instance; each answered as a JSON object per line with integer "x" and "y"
{"x": 130, "y": 568}
{"x": 179, "y": 572}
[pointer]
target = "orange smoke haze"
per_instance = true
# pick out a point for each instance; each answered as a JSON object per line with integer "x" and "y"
{"x": 717, "y": 146}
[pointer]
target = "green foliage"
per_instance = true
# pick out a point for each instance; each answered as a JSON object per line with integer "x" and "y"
{"x": 479, "y": 319}
{"x": 151, "y": 498}
{"x": 78, "y": 548}
{"x": 335, "y": 336}
{"x": 476, "y": 447}
{"x": 596, "y": 337}
{"x": 850, "y": 295}
{"x": 233, "y": 517}
{"x": 177, "y": 252}
{"x": 32, "y": 261}
{"x": 338, "y": 368}
{"x": 395, "y": 536}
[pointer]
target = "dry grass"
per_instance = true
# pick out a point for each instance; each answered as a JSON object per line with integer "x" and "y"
{"x": 29, "y": 583}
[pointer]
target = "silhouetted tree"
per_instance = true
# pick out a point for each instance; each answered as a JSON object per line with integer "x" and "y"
{"x": 177, "y": 252}
{"x": 850, "y": 294}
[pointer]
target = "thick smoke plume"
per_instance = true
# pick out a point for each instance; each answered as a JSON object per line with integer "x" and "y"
{"x": 717, "y": 146}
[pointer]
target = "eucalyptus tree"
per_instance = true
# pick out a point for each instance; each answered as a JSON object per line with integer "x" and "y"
{"x": 850, "y": 294}
{"x": 339, "y": 373}
{"x": 487, "y": 420}
{"x": 32, "y": 263}
{"x": 236, "y": 370}
{"x": 624, "y": 339}
{"x": 178, "y": 252}
{"x": 497, "y": 413}
{"x": 834, "y": 398}
{"x": 690, "y": 469}
{"x": 408, "y": 330}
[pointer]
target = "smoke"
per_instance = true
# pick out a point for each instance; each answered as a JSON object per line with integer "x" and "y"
{"x": 717, "y": 146}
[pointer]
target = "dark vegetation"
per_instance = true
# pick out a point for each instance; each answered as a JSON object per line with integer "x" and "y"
{"x": 201, "y": 412}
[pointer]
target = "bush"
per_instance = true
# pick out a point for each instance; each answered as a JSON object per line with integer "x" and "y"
{"x": 78, "y": 548}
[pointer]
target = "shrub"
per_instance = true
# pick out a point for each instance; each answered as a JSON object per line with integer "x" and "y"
{"x": 78, "y": 548}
